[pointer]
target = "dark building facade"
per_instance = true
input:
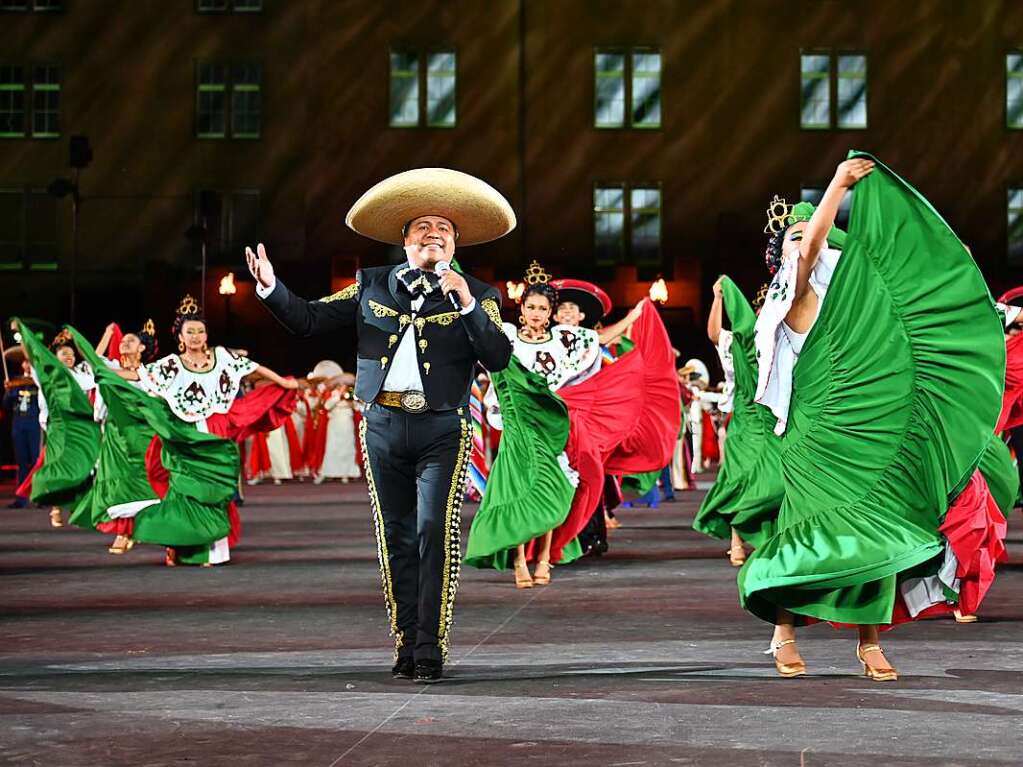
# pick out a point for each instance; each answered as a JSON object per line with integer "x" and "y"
{"x": 633, "y": 139}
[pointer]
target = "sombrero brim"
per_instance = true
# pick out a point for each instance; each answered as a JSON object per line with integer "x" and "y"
{"x": 479, "y": 212}
{"x": 14, "y": 353}
{"x": 593, "y": 301}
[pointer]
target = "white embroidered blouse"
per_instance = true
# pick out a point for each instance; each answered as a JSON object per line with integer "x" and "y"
{"x": 569, "y": 356}
{"x": 194, "y": 396}
{"x": 778, "y": 346}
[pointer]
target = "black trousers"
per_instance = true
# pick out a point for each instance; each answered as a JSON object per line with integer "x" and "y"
{"x": 416, "y": 466}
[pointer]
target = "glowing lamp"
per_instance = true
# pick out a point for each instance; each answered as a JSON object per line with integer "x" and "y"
{"x": 227, "y": 287}
{"x": 659, "y": 291}
{"x": 515, "y": 290}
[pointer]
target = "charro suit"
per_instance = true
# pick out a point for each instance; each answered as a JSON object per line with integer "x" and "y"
{"x": 416, "y": 463}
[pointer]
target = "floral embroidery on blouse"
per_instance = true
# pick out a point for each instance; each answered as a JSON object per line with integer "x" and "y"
{"x": 194, "y": 396}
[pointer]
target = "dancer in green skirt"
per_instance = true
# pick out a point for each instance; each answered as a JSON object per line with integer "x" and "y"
{"x": 71, "y": 434}
{"x": 744, "y": 500}
{"x": 863, "y": 355}
{"x": 120, "y": 489}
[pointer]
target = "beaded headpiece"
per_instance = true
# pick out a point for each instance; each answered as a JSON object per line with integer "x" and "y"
{"x": 779, "y": 216}
{"x": 188, "y": 305}
{"x": 63, "y": 338}
{"x": 535, "y": 274}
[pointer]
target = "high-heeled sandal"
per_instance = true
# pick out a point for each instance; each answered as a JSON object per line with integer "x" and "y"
{"x": 523, "y": 580}
{"x": 787, "y": 670}
{"x": 611, "y": 523}
{"x": 875, "y": 673}
{"x": 122, "y": 545}
{"x": 737, "y": 560}
{"x": 170, "y": 557}
{"x": 960, "y": 618}
{"x": 55, "y": 520}
{"x": 542, "y": 580}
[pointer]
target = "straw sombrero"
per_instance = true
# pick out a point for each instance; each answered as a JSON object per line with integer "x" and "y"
{"x": 478, "y": 211}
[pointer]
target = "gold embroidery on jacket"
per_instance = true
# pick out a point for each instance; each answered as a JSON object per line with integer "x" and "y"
{"x": 443, "y": 319}
{"x": 347, "y": 292}
{"x": 493, "y": 311}
{"x": 381, "y": 311}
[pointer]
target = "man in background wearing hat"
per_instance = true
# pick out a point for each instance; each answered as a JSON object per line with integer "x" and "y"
{"x": 422, "y": 328}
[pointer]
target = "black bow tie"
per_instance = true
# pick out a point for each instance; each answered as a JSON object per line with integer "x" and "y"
{"x": 417, "y": 282}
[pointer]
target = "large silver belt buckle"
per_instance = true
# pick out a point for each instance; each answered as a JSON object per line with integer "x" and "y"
{"x": 413, "y": 401}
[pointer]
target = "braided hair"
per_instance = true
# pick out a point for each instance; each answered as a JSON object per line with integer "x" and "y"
{"x": 152, "y": 346}
{"x": 773, "y": 253}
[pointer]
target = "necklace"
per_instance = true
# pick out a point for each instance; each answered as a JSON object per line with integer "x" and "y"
{"x": 197, "y": 365}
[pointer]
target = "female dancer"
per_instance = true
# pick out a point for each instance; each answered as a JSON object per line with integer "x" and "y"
{"x": 200, "y": 385}
{"x": 745, "y": 498}
{"x": 120, "y": 488}
{"x": 861, "y": 352}
{"x": 71, "y": 435}
{"x": 622, "y": 418}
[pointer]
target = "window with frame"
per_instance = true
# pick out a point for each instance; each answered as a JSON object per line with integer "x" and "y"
{"x": 229, "y": 6}
{"x": 627, "y": 224}
{"x": 229, "y": 100}
{"x": 29, "y": 101}
{"x": 833, "y": 90}
{"x": 627, "y": 88}
{"x": 40, "y": 6}
{"x": 28, "y": 230}
{"x": 1014, "y": 90}
{"x": 423, "y": 89}
{"x": 1014, "y": 225}
{"x": 234, "y": 222}
{"x": 813, "y": 194}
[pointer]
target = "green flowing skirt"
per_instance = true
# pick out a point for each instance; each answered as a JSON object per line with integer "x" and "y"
{"x": 201, "y": 469}
{"x": 527, "y": 492}
{"x": 72, "y": 434}
{"x": 748, "y": 491}
{"x": 1000, "y": 474}
{"x": 121, "y": 470}
{"x": 880, "y": 437}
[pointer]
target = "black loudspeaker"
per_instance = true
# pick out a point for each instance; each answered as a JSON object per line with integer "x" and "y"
{"x": 209, "y": 204}
{"x": 80, "y": 153}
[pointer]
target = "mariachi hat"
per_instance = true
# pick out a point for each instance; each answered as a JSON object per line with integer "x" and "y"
{"x": 590, "y": 299}
{"x": 479, "y": 212}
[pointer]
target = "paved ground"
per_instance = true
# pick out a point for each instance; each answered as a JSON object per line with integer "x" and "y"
{"x": 641, "y": 657}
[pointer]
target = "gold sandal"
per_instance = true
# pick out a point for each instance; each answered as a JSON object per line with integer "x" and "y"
{"x": 875, "y": 673}
{"x": 523, "y": 580}
{"x": 542, "y": 580}
{"x": 787, "y": 670}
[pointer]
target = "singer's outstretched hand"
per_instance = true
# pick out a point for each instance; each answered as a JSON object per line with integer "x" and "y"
{"x": 452, "y": 282}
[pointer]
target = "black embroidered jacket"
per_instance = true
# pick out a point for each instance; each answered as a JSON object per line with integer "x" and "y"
{"x": 448, "y": 343}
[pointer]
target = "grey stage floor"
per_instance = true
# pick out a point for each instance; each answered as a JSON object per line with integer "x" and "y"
{"x": 641, "y": 657}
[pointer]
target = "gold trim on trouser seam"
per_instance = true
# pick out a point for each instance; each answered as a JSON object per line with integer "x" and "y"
{"x": 382, "y": 556}
{"x": 452, "y": 540}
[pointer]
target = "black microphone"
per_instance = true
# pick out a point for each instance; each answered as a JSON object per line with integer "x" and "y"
{"x": 439, "y": 268}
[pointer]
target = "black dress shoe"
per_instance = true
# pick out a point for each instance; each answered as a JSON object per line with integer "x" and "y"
{"x": 405, "y": 668}
{"x": 428, "y": 671}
